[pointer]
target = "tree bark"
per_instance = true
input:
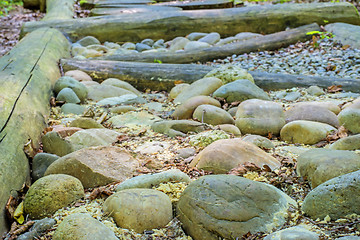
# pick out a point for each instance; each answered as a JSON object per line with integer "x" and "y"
{"x": 194, "y": 5}
{"x": 59, "y": 9}
{"x": 227, "y": 22}
{"x": 130, "y": 9}
{"x": 27, "y": 74}
{"x": 261, "y": 43}
{"x": 163, "y": 76}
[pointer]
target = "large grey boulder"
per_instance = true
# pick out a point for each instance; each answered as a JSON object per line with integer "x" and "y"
{"x": 312, "y": 113}
{"x": 345, "y": 33}
{"x": 227, "y": 206}
{"x": 347, "y": 143}
{"x": 350, "y": 119}
{"x": 69, "y": 82}
{"x": 337, "y": 197}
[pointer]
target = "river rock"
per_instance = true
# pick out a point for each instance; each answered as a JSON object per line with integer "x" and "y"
{"x": 306, "y": 132}
{"x": 129, "y": 46}
{"x": 210, "y": 38}
{"x": 223, "y": 155}
{"x": 293, "y": 233}
{"x": 139, "y": 209}
{"x": 350, "y": 119}
{"x": 37, "y": 229}
{"x": 315, "y": 91}
{"x": 348, "y": 238}
{"x": 328, "y": 105}
{"x": 103, "y": 91}
{"x": 151, "y": 180}
{"x": 140, "y": 47}
{"x": 184, "y": 153}
{"x": 121, "y": 84}
{"x": 142, "y": 118}
{"x": 347, "y": 143}
{"x": 96, "y": 166}
{"x": 122, "y": 109}
{"x": 212, "y": 115}
{"x": 226, "y": 41}
{"x": 233, "y": 111}
{"x": 85, "y": 123}
{"x": 227, "y": 207}
{"x": 98, "y": 47}
{"x": 178, "y": 44}
{"x": 69, "y": 82}
{"x": 89, "y": 84}
{"x": 122, "y": 100}
{"x": 240, "y": 90}
{"x": 247, "y": 35}
{"x": 67, "y": 95}
{"x": 40, "y": 163}
{"x": 194, "y": 36}
{"x": 230, "y": 73}
{"x": 345, "y": 33}
{"x": 194, "y": 45}
{"x": 72, "y": 108}
{"x": 88, "y": 40}
{"x": 152, "y": 147}
{"x": 186, "y": 109}
{"x": 174, "y": 128}
{"x": 230, "y": 128}
{"x": 159, "y": 44}
{"x": 320, "y": 165}
{"x": 336, "y": 197}
{"x": 205, "y": 138}
{"x": 292, "y": 96}
{"x": 65, "y": 131}
{"x": 175, "y": 91}
{"x": 53, "y": 143}
{"x": 82, "y": 226}
{"x": 311, "y": 113}
{"x": 260, "y": 117}
{"x": 148, "y": 42}
{"x": 50, "y": 193}
{"x": 260, "y": 141}
{"x": 201, "y": 87}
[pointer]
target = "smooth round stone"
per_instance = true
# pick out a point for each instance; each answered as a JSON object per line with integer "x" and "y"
{"x": 320, "y": 165}
{"x": 210, "y": 38}
{"x": 78, "y": 75}
{"x": 174, "y": 128}
{"x": 311, "y": 113}
{"x": 77, "y": 50}
{"x": 102, "y": 91}
{"x": 67, "y": 95}
{"x": 89, "y": 84}
{"x": 121, "y": 84}
{"x": 85, "y": 123}
{"x": 121, "y": 51}
{"x": 226, "y": 41}
{"x": 88, "y": 40}
{"x": 233, "y": 111}
{"x": 178, "y": 44}
{"x": 293, "y": 233}
{"x": 350, "y": 119}
{"x": 306, "y": 132}
{"x": 122, "y": 109}
{"x": 82, "y": 226}
{"x": 140, "y": 47}
{"x": 79, "y": 57}
{"x": 186, "y": 110}
{"x": 247, "y": 35}
{"x": 328, "y": 105}
{"x": 260, "y": 141}
{"x": 260, "y": 117}
{"x": 212, "y": 115}
{"x": 69, "y": 82}
{"x": 292, "y": 96}
{"x": 129, "y": 46}
{"x": 99, "y": 48}
{"x": 336, "y": 197}
{"x": 185, "y": 153}
{"x": 112, "y": 45}
{"x": 175, "y": 91}
{"x": 142, "y": 118}
{"x": 40, "y": 163}
{"x": 353, "y": 104}
{"x": 194, "y": 36}
{"x": 230, "y": 128}
{"x": 72, "y": 108}
{"x": 240, "y": 90}
{"x": 159, "y": 44}
{"x": 315, "y": 91}
{"x": 223, "y": 155}
{"x": 230, "y": 73}
{"x": 65, "y": 131}
{"x": 194, "y": 45}
{"x": 347, "y": 143}
{"x": 92, "y": 53}
{"x": 201, "y": 87}
{"x": 50, "y": 193}
{"x": 139, "y": 209}
{"x": 227, "y": 207}
{"x": 126, "y": 99}
{"x": 148, "y": 42}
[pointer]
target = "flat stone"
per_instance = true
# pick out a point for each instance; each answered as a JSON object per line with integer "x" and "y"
{"x": 69, "y": 82}
{"x": 152, "y": 147}
{"x": 350, "y": 119}
{"x": 334, "y": 197}
{"x": 230, "y": 73}
{"x": 102, "y": 91}
{"x": 347, "y": 143}
{"x": 50, "y": 193}
{"x": 152, "y": 180}
{"x": 139, "y": 209}
{"x": 292, "y": 96}
{"x": 312, "y": 113}
{"x": 320, "y": 165}
{"x": 210, "y": 38}
{"x": 260, "y": 141}
{"x": 65, "y": 131}
{"x": 226, "y": 41}
{"x": 121, "y": 84}
{"x": 126, "y": 99}
{"x": 96, "y": 166}
{"x": 223, "y": 155}
{"x": 194, "y": 45}
{"x": 174, "y": 128}
{"x": 186, "y": 109}
{"x": 213, "y": 115}
{"x": 201, "y": 87}
{"x": 227, "y": 207}
{"x": 67, "y": 95}
{"x": 40, "y": 163}
{"x": 315, "y": 91}
{"x": 306, "y": 132}
{"x": 82, "y": 226}
{"x": 88, "y": 40}
{"x": 292, "y": 233}
{"x": 260, "y": 117}
{"x": 85, "y": 123}
{"x": 72, "y": 108}
{"x": 142, "y": 118}
{"x": 122, "y": 109}
{"x": 194, "y": 36}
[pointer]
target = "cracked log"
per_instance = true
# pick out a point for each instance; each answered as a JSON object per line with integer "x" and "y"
{"x": 227, "y": 22}
{"x": 163, "y": 76}
{"x": 261, "y": 43}
{"x": 27, "y": 74}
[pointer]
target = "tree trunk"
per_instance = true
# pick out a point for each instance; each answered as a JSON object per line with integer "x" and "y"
{"x": 163, "y": 76}
{"x": 27, "y": 74}
{"x": 59, "y": 9}
{"x": 131, "y": 9}
{"x": 261, "y": 43}
{"x": 227, "y": 22}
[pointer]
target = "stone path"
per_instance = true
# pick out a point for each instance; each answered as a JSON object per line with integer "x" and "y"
{"x": 217, "y": 158}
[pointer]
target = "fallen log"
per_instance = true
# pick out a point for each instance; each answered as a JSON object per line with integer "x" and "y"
{"x": 261, "y": 43}
{"x": 227, "y": 22}
{"x": 59, "y": 9}
{"x": 195, "y": 5}
{"x": 130, "y": 9}
{"x": 27, "y": 74}
{"x": 112, "y": 3}
{"x": 163, "y": 76}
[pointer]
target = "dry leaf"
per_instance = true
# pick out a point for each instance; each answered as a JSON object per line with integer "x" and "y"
{"x": 334, "y": 88}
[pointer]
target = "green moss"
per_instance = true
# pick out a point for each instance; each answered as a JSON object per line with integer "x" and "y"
{"x": 204, "y": 139}
{"x": 230, "y": 73}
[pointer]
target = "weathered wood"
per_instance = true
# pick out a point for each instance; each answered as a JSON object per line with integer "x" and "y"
{"x": 27, "y": 74}
{"x": 261, "y": 43}
{"x": 126, "y": 9}
{"x": 227, "y": 22}
{"x": 59, "y": 10}
{"x": 163, "y": 76}
{"x": 114, "y": 3}
{"x": 202, "y": 4}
